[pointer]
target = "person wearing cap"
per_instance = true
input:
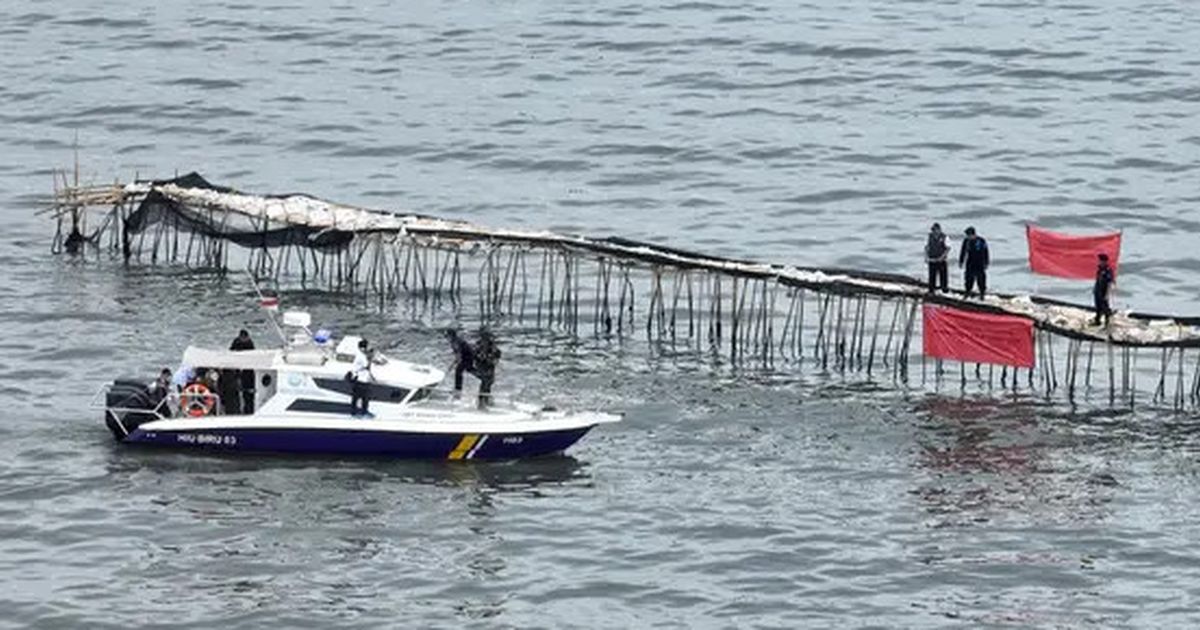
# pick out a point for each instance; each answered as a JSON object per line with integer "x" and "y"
{"x": 1104, "y": 282}
{"x": 360, "y": 380}
{"x": 935, "y": 257}
{"x": 974, "y": 255}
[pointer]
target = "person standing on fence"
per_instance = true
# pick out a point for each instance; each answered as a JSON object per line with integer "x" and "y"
{"x": 1100, "y": 292}
{"x": 974, "y": 255}
{"x": 935, "y": 256}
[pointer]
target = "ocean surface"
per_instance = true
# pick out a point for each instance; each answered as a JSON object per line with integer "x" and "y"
{"x": 815, "y": 134}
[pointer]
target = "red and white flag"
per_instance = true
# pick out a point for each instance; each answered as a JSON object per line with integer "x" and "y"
{"x": 1067, "y": 256}
{"x": 269, "y": 302}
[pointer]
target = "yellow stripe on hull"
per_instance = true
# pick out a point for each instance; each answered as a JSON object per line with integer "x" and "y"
{"x": 464, "y": 446}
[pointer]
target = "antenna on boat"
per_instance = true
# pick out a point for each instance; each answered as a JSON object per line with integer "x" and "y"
{"x": 269, "y": 304}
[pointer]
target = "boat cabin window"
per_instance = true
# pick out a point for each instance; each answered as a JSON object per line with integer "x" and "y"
{"x": 376, "y": 391}
{"x": 304, "y": 358}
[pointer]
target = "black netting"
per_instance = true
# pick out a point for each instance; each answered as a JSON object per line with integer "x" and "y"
{"x": 156, "y": 208}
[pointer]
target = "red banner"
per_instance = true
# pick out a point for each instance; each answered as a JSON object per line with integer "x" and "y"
{"x": 971, "y": 337}
{"x": 1066, "y": 256}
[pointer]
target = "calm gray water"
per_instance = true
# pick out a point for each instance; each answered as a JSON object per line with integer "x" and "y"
{"x": 823, "y": 134}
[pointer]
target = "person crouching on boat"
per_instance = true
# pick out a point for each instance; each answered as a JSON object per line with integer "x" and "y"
{"x": 464, "y": 357}
{"x": 360, "y": 380}
{"x": 479, "y": 360}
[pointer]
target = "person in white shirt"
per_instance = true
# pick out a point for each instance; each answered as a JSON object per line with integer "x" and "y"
{"x": 183, "y": 377}
{"x": 360, "y": 381}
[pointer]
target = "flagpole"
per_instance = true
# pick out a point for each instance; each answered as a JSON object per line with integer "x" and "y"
{"x": 271, "y": 315}
{"x": 1112, "y": 287}
{"x": 1037, "y": 280}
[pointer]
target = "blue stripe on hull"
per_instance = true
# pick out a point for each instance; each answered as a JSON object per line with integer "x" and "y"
{"x": 378, "y": 444}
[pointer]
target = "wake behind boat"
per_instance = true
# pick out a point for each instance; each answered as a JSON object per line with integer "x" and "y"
{"x": 301, "y": 403}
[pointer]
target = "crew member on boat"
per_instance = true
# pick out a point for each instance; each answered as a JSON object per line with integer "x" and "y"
{"x": 160, "y": 392}
{"x": 487, "y": 355}
{"x": 183, "y": 377}
{"x": 464, "y": 357}
{"x": 245, "y": 378}
{"x": 360, "y": 380}
{"x": 210, "y": 379}
{"x": 479, "y": 360}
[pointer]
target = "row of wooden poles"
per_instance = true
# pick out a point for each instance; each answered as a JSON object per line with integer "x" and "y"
{"x": 745, "y": 320}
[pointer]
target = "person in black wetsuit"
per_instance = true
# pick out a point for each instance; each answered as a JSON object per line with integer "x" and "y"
{"x": 1104, "y": 282}
{"x": 464, "y": 357}
{"x": 487, "y": 355}
{"x": 974, "y": 255}
{"x": 935, "y": 256}
{"x": 245, "y": 378}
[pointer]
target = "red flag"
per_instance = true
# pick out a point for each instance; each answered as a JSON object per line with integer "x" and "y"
{"x": 968, "y": 336}
{"x": 1066, "y": 256}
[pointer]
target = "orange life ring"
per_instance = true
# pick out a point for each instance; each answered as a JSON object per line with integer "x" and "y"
{"x": 196, "y": 400}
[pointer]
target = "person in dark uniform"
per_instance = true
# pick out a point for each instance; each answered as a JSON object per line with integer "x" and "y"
{"x": 487, "y": 355}
{"x": 464, "y": 357}
{"x": 1104, "y": 282}
{"x": 231, "y": 398}
{"x": 160, "y": 393}
{"x": 245, "y": 378}
{"x": 935, "y": 256}
{"x": 974, "y": 255}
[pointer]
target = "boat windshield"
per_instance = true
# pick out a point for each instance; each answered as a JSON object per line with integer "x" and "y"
{"x": 377, "y": 358}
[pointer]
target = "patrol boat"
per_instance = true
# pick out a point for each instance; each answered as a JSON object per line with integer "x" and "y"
{"x": 302, "y": 405}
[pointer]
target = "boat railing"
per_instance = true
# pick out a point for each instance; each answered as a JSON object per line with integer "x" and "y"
{"x": 173, "y": 402}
